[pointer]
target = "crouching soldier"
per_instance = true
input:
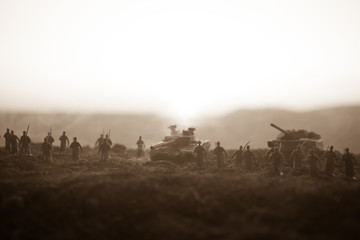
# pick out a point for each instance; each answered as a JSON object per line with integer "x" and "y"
{"x": 76, "y": 147}
{"x": 46, "y": 149}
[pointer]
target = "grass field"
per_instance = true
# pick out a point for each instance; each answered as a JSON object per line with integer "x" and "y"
{"x": 128, "y": 198}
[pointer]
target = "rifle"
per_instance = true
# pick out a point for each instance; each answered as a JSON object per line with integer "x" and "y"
{"x": 247, "y": 144}
{"x": 27, "y": 130}
{"x": 109, "y": 132}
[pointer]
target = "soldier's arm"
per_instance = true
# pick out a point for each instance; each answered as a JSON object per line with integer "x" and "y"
{"x": 292, "y": 155}
{"x": 226, "y": 154}
{"x": 234, "y": 154}
{"x": 204, "y": 150}
{"x": 68, "y": 142}
{"x": 337, "y": 159}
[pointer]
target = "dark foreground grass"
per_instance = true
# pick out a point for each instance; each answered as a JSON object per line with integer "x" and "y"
{"x": 135, "y": 199}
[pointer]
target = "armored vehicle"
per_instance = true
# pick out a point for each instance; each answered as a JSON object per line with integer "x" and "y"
{"x": 288, "y": 140}
{"x": 178, "y": 146}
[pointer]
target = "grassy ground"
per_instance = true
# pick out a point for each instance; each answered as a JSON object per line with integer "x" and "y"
{"x": 128, "y": 198}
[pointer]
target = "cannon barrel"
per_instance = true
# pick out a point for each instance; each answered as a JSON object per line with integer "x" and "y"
{"x": 280, "y": 129}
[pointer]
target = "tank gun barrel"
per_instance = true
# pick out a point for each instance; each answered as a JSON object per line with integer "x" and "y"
{"x": 280, "y": 129}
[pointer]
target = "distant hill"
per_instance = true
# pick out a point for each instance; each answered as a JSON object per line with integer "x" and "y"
{"x": 337, "y": 126}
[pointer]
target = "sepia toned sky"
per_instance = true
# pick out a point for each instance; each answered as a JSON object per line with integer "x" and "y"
{"x": 179, "y": 58}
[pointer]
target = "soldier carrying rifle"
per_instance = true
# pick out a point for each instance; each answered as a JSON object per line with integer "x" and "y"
{"x": 25, "y": 142}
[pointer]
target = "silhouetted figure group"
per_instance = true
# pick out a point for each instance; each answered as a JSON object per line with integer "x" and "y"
{"x": 276, "y": 159}
{"x": 274, "y": 156}
{"x": 12, "y": 142}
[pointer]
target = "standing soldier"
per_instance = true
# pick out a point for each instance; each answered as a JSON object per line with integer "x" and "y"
{"x": 25, "y": 143}
{"x": 249, "y": 157}
{"x": 200, "y": 154}
{"x": 239, "y": 155}
{"x": 276, "y": 159}
{"x": 50, "y": 138}
{"x": 63, "y": 140}
{"x": 46, "y": 149}
{"x": 99, "y": 140}
{"x": 330, "y": 158}
{"x": 220, "y": 154}
{"x": 297, "y": 156}
{"x": 108, "y": 140}
{"x": 349, "y": 160}
{"x": 140, "y": 147}
{"x": 14, "y": 143}
{"x": 104, "y": 150}
{"x": 7, "y": 137}
{"x": 314, "y": 163}
{"x": 76, "y": 147}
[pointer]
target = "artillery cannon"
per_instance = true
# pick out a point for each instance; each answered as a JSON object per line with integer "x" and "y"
{"x": 289, "y": 139}
{"x": 178, "y": 146}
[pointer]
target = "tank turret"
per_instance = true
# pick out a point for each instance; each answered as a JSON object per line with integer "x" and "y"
{"x": 289, "y": 139}
{"x": 295, "y": 135}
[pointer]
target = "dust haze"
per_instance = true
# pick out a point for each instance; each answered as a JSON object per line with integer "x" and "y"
{"x": 337, "y": 126}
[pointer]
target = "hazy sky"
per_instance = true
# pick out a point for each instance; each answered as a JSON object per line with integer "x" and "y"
{"x": 180, "y": 58}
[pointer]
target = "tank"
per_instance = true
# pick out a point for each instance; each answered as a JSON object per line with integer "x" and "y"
{"x": 289, "y": 139}
{"x": 178, "y": 146}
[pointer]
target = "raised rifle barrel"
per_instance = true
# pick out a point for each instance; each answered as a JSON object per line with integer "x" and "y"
{"x": 278, "y": 128}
